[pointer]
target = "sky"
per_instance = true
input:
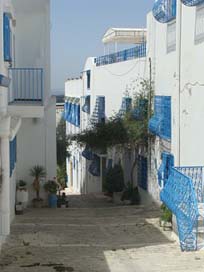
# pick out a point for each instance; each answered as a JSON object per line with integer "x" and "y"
{"x": 77, "y": 28}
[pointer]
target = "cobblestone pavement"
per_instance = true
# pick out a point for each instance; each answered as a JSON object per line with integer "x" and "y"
{"x": 94, "y": 235}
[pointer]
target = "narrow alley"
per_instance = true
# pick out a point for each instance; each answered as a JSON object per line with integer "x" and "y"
{"x": 93, "y": 235}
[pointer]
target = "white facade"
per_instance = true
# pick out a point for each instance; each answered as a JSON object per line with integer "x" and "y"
{"x": 112, "y": 81}
{"x": 27, "y": 113}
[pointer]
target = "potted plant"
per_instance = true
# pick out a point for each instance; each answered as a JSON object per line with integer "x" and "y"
{"x": 19, "y": 208}
{"x": 51, "y": 187}
{"x": 131, "y": 195}
{"x": 166, "y": 218}
{"x": 22, "y": 193}
{"x": 114, "y": 182}
{"x": 37, "y": 172}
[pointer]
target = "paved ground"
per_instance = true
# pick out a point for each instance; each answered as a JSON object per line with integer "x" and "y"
{"x": 94, "y": 236}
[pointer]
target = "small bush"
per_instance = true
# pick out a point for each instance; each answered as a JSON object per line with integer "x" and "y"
{"x": 51, "y": 187}
{"x": 114, "y": 181}
{"x": 166, "y": 214}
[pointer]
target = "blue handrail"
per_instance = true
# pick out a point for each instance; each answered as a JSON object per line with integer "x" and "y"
{"x": 26, "y": 85}
{"x": 192, "y": 3}
{"x": 133, "y": 53}
{"x": 164, "y": 11}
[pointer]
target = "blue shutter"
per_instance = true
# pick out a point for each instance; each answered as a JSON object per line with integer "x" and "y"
{"x": 88, "y": 75}
{"x": 7, "y": 38}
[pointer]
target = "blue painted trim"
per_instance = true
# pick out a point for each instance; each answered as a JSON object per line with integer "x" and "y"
{"x": 192, "y": 3}
{"x": 164, "y": 11}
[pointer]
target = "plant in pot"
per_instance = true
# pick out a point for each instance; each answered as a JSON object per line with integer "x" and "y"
{"x": 166, "y": 218}
{"x": 51, "y": 187}
{"x": 114, "y": 182}
{"x": 131, "y": 195}
{"x": 37, "y": 172}
{"x": 22, "y": 193}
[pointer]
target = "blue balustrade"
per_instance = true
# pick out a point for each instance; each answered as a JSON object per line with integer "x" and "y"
{"x": 160, "y": 123}
{"x": 192, "y": 3}
{"x": 72, "y": 112}
{"x": 164, "y": 11}
{"x": 98, "y": 115}
{"x": 181, "y": 194}
{"x": 133, "y": 53}
{"x": 26, "y": 85}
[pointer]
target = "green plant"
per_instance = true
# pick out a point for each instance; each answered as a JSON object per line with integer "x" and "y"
{"x": 22, "y": 183}
{"x": 61, "y": 175}
{"x": 51, "y": 187}
{"x": 166, "y": 214}
{"x": 37, "y": 172}
{"x": 114, "y": 180}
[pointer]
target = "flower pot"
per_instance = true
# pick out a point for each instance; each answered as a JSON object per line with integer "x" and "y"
{"x": 19, "y": 208}
{"x": 37, "y": 203}
{"x": 117, "y": 198}
{"x": 165, "y": 225}
{"x": 22, "y": 196}
{"x": 52, "y": 200}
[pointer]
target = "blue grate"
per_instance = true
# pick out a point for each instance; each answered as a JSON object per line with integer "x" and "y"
{"x": 98, "y": 115}
{"x": 164, "y": 11}
{"x": 13, "y": 155}
{"x": 165, "y": 168}
{"x": 87, "y": 104}
{"x": 94, "y": 168}
{"x": 87, "y": 154}
{"x": 160, "y": 123}
{"x": 191, "y": 3}
{"x": 133, "y": 53}
{"x": 181, "y": 194}
{"x": 72, "y": 113}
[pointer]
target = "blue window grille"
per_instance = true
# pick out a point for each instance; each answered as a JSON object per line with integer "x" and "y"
{"x": 142, "y": 172}
{"x": 181, "y": 194}
{"x": 133, "y": 53}
{"x": 191, "y": 3}
{"x": 165, "y": 168}
{"x": 126, "y": 106}
{"x": 160, "y": 123}
{"x": 7, "y": 34}
{"x": 87, "y": 154}
{"x": 164, "y": 11}
{"x": 13, "y": 155}
{"x": 140, "y": 112}
{"x": 72, "y": 112}
{"x": 94, "y": 168}
{"x": 88, "y": 76}
{"x": 98, "y": 115}
{"x": 26, "y": 84}
{"x": 87, "y": 104}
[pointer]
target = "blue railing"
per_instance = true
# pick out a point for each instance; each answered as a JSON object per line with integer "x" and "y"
{"x": 26, "y": 85}
{"x": 164, "y": 11}
{"x": 98, "y": 115}
{"x": 160, "y": 123}
{"x": 126, "y": 106}
{"x": 133, "y": 53}
{"x": 181, "y": 194}
{"x": 191, "y": 3}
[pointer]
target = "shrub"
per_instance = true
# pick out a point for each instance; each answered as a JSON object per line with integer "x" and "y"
{"x": 166, "y": 214}
{"x": 114, "y": 181}
{"x": 51, "y": 186}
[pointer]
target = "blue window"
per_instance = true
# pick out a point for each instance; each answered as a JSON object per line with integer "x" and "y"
{"x": 7, "y": 38}
{"x": 88, "y": 76}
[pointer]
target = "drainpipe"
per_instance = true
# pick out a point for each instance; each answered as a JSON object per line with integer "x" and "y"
{"x": 177, "y": 96}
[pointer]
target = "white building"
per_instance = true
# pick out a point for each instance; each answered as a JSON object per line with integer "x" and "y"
{"x": 27, "y": 109}
{"x": 106, "y": 81}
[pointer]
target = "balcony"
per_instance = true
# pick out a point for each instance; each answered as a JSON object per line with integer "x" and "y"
{"x": 25, "y": 95}
{"x": 129, "y": 54}
{"x": 192, "y": 3}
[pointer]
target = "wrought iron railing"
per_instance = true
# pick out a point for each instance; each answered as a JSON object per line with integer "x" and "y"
{"x": 133, "y": 53}
{"x": 191, "y": 3}
{"x": 26, "y": 85}
{"x": 164, "y": 11}
{"x": 182, "y": 193}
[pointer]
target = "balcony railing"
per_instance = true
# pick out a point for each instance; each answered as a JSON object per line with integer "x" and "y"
{"x": 183, "y": 195}
{"x": 164, "y": 11}
{"x": 133, "y": 53}
{"x": 26, "y": 85}
{"x": 192, "y": 3}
